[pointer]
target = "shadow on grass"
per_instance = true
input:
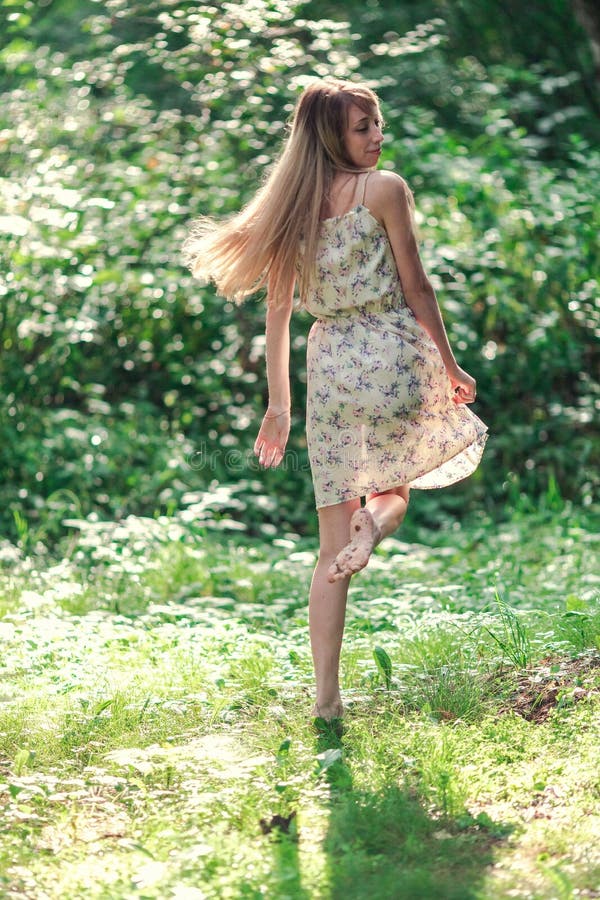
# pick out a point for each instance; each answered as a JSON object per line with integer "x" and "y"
{"x": 385, "y": 846}
{"x": 285, "y": 875}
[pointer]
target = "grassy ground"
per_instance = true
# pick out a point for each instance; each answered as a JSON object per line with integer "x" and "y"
{"x": 155, "y": 739}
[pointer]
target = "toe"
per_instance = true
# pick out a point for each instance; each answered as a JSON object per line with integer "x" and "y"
{"x": 333, "y": 573}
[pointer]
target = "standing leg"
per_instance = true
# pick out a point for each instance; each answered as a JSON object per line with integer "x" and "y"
{"x": 381, "y": 515}
{"x": 327, "y": 607}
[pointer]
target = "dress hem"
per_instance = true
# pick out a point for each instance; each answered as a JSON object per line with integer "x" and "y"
{"x": 479, "y": 443}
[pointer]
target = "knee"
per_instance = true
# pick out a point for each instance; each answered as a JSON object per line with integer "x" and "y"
{"x": 400, "y": 508}
{"x": 400, "y": 514}
{"x": 328, "y": 555}
{"x": 403, "y": 492}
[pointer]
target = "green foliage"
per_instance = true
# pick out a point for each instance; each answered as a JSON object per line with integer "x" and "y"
{"x": 511, "y": 637}
{"x": 156, "y": 733}
{"x": 384, "y": 665}
{"x": 127, "y": 387}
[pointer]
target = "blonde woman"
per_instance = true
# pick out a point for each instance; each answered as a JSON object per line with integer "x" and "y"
{"x": 386, "y": 398}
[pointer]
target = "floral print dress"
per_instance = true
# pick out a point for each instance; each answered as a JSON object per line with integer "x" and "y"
{"x": 380, "y": 411}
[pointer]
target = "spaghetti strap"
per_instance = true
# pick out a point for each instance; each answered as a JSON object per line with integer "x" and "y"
{"x": 362, "y": 202}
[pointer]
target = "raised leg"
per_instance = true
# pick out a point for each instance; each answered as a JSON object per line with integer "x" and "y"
{"x": 381, "y": 515}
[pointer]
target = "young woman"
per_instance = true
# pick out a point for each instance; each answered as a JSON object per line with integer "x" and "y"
{"x": 386, "y": 398}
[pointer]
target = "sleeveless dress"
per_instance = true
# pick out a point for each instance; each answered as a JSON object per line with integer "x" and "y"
{"x": 380, "y": 410}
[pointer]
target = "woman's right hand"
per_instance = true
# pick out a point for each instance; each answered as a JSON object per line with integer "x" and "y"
{"x": 272, "y": 438}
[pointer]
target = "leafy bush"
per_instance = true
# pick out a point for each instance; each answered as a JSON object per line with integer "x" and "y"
{"x": 127, "y": 385}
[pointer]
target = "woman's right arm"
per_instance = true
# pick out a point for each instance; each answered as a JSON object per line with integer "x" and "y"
{"x": 275, "y": 428}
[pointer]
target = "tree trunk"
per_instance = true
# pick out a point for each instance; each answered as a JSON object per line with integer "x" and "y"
{"x": 587, "y": 13}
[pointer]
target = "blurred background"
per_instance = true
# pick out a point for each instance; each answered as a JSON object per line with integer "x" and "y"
{"x": 129, "y": 388}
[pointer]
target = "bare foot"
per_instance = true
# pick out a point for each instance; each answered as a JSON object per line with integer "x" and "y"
{"x": 329, "y": 711}
{"x": 364, "y": 535}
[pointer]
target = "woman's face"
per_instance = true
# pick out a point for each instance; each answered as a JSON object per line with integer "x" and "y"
{"x": 363, "y": 137}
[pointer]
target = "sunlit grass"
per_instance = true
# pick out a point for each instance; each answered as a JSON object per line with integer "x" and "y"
{"x": 155, "y": 733}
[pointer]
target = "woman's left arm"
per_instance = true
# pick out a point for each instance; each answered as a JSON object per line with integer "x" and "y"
{"x": 395, "y": 209}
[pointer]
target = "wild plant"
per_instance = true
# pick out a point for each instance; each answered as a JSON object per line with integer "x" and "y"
{"x": 511, "y": 637}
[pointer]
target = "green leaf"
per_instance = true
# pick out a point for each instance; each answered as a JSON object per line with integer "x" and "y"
{"x": 285, "y": 745}
{"x": 328, "y": 758}
{"x": 23, "y": 758}
{"x": 384, "y": 664}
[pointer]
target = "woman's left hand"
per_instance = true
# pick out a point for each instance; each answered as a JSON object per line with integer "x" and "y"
{"x": 272, "y": 438}
{"x": 464, "y": 387}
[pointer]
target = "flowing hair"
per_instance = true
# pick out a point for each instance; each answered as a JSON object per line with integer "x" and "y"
{"x": 274, "y": 237}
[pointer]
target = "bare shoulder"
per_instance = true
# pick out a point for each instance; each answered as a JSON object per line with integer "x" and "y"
{"x": 387, "y": 193}
{"x": 385, "y": 180}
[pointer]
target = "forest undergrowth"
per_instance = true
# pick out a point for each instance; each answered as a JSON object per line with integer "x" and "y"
{"x": 155, "y": 729}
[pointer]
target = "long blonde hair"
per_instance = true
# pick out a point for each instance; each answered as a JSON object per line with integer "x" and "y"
{"x": 263, "y": 242}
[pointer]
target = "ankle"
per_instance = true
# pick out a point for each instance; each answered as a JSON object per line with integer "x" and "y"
{"x": 329, "y": 701}
{"x": 333, "y": 710}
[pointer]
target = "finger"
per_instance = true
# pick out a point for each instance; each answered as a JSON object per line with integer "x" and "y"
{"x": 267, "y": 455}
{"x": 274, "y": 457}
{"x": 468, "y": 393}
{"x": 277, "y": 456}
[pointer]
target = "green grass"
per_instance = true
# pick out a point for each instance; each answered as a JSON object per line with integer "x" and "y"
{"x": 155, "y": 734}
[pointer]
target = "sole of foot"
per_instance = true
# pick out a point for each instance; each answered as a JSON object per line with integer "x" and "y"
{"x": 364, "y": 535}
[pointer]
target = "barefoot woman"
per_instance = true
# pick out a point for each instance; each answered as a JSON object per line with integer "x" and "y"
{"x": 386, "y": 398}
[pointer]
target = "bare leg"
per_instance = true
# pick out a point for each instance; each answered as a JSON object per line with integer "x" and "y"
{"x": 381, "y": 515}
{"x": 327, "y": 608}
